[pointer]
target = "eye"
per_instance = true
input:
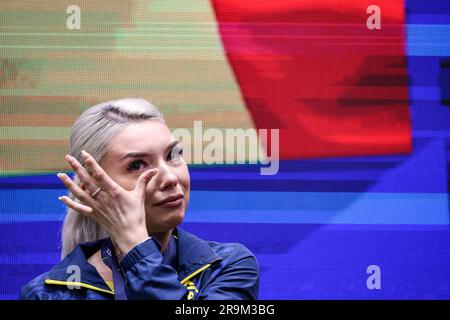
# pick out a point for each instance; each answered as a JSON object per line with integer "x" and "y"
{"x": 135, "y": 165}
{"x": 175, "y": 153}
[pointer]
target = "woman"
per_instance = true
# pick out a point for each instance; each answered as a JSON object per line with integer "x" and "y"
{"x": 120, "y": 238}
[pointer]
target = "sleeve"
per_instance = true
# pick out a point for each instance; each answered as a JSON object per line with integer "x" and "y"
{"x": 147, "y": 277}
{"x": 237, "y": 281}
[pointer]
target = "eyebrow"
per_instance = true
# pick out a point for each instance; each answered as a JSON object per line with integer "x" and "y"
{"x": 137, "y": 154}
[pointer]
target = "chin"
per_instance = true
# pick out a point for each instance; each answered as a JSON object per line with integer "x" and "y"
{"x": 166, "y": 221}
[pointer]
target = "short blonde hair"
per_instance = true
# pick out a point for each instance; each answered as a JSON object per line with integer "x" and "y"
{"x": 92, "y": 132}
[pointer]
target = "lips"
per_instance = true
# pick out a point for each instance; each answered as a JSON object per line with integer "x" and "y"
{"x": 171, "y": 201}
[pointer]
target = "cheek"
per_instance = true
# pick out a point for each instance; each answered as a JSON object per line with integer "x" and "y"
{"x": 184, "y": 178}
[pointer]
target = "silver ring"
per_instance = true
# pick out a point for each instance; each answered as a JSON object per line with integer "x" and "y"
{"x": 96, "y": 191}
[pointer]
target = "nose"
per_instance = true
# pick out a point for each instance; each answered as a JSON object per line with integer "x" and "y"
{"x": 165, "y": 177}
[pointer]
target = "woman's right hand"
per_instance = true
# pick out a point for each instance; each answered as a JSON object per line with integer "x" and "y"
{"x": 120, "y": 212}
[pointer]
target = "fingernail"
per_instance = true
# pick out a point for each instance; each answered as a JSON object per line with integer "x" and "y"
{"x": 60, "y": 175}
{"x": 84, "y": 154}
{"x": 60, "y": 198}
{"x": 69, "y": 158}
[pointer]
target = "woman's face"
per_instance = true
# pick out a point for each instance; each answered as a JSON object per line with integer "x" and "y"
{"x": 142, "y": 146}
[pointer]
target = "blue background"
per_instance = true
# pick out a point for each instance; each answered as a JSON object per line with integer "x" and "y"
{"x": 317, "y": 225}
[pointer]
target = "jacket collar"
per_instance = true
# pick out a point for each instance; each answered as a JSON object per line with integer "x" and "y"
{"x": 194, "y": 256}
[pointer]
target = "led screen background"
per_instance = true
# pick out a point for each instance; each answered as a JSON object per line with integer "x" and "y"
{"x": 379, "y": 196}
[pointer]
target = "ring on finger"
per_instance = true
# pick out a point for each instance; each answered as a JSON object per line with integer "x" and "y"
{"x": 96, "y": 192}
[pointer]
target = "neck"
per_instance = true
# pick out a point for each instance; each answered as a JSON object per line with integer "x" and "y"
{"x": 163, "y": 238}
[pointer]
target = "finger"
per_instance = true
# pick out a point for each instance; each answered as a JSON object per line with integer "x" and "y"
{"x": 76, "y": 190}
{"x": 78, "y": 207}
{"x": 99, "y": 175}
{"x": 144, "y": 179}
{"x": 85, "y": 178}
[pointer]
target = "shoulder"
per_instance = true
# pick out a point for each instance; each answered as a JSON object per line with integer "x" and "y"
{"x": 229, "y": 253}
{"x": 38, "y": 289}
{"x": 232, "y": 250}
{"x": 35, "y": 289}
{"x": 235, "y": 254}
{"x": 236, "y": 275}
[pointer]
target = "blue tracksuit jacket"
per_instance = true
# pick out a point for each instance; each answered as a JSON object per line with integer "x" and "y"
{"x": 206, "y": 270}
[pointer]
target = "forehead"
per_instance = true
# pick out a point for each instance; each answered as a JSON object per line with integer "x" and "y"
{"x": 149, "y": 136}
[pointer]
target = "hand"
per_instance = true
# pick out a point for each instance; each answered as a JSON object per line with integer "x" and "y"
{"x": 120, "y": 212}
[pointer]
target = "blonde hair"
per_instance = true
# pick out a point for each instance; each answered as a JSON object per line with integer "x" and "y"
{"x": 92, "y": 132}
